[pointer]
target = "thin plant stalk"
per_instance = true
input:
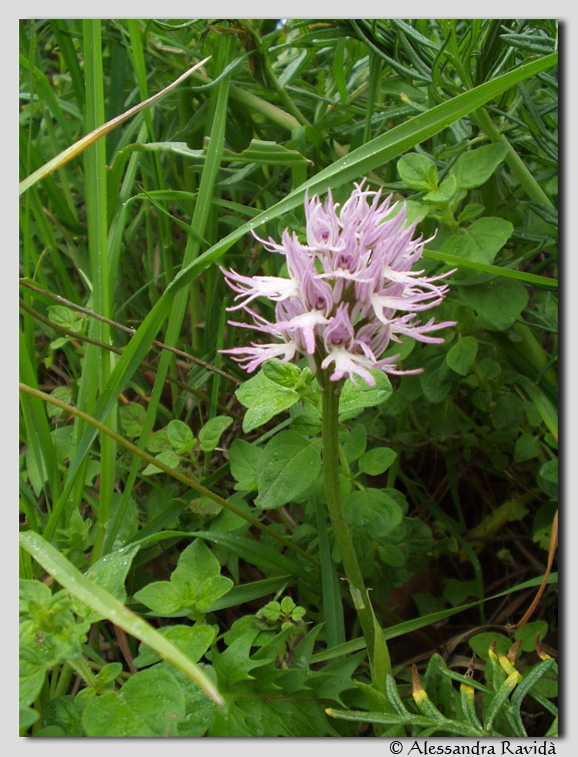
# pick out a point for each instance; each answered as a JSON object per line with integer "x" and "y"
{"x": 330, "y": 392}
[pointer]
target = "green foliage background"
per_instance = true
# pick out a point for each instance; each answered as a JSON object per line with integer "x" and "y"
{"x": 178, "y": 577}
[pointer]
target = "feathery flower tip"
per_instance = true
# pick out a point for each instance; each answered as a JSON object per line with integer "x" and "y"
{"x": 351, "y": 290}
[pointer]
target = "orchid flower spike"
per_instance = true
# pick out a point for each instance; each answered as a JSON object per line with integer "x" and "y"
{"x": 351, "y": 290}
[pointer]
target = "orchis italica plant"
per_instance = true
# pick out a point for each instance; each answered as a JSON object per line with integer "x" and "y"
{"x": 351, "y": 290}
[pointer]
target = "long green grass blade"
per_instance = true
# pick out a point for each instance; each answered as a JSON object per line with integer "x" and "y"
{"x": 96, "y": 215}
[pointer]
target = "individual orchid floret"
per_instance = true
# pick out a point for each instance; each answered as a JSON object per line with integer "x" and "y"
{"x": 350, "y": 290}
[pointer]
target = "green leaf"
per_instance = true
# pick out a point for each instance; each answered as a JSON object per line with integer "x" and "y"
{"x": 264, "y": 399}
{"x": 471, "y": 212}
{"x": 456, "y": 592}
{"x": 132, "y": 418}
{"x": 63, "y": 394}
{"x": 108, "y": 674}
{"x": 33, "y": 590}
{"x": 377, "y": 461}
{"x": 195, "y": 584}
{"x": 158, "y": 442}
{"x": 181, "y": 437}
{"x": 392, "y": 555}
{"x": 354, "y": 399}
{"x": 243, "y": 461}
{"x": 481, "y": 643}
{"x": 481, "y": 241}
{"x": 234, "y": 664}
{"x": 210, "y": 434}
{"x": 162, "y": 597}
{"x": 498, "y": 303}
{"x": 474, "y": 168}
{"x": 168, "y": 457}
{"x": 527, "y": 634}
{"x": 548, "y": 478}
{"x": 436, "y": 382}
{"x": 355, "y": 444}
{"x": 527, "y": 448}
{"x": 288, "y": 467}
{"x": 196, "y": 564}
{"x": 64, "y": 712}
{"x": 199, "y": 711}
{"x": 49, "y": 634}
{"x": 228, "y": 521}
{"x": 26, "y": 717}
{"x": 462, "y": 355}
{"x": 193, "y": 641}
{"x": 211, "y": 590}
{"x": 418, "y": 172}
{"x": 110, "y": 573}
{"x": 444, "y": 193}
{"x": 284, "y": 374}
{"x": 507, "y": 412}
{"x": 373, "y": 512}
{"x": 149, "y": 704}
{"x": 205, "y": 507}
{"x": 66, "y": 318}
{"x": 32, "y": 672}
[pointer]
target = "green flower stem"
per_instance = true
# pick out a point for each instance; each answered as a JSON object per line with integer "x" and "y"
{"x": 80, "y": 667}
{"x": 63, "y": 682}
{"x": 330, "y": 392}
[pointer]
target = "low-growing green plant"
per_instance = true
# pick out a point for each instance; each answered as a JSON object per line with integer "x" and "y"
{"x": 206, "y": 553}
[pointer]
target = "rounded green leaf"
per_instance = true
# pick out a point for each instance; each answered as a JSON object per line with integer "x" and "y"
{"x": 168, "y": 457}
{"x": 289, "y": 465}
{"x": 377, "y": 461}
{"x": 498, "y": 303}
{"x": 193, "y": 641}
{"x": 264, "y": 399}
{"x": 474, "y": 168}
{"x": 149, "y": 704}
{"x": 374, "y": 512}
{"x": 132, "y": 418}
{"x": 181, "y": 437}
{"x": 243, "y": 460}
{"x": 436, "y": 383}
{"x": 462, "y": 356}
{"x": 481, "y": 241}
{"x": 210, "y": 434}
{"x": 527, "y": 448}
{"x": 354, "y": 399}
{"x": 418, "y": 172}
{"x": 507, "y": 412}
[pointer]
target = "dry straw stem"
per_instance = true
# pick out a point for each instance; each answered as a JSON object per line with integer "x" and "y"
{"x": 79, "y": 147}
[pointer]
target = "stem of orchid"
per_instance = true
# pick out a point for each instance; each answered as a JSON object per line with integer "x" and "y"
{"x": 330, "y": 392}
